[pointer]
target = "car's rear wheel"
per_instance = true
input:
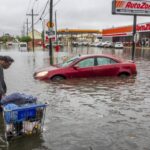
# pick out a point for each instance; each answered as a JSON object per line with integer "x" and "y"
{"x": 124, "y": 75}
{"x": 57, "y": 78}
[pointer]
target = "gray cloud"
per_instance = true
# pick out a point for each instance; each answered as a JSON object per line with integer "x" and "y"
{"x": 81, "y": 14}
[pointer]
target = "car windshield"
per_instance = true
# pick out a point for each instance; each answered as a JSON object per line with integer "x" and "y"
{"x": 68, "y": 62}
{"x": 23, "y": 45}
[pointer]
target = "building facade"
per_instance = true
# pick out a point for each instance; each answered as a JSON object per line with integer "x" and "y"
{"x": 37, "y": 38}
{"x": 124, "y": 34}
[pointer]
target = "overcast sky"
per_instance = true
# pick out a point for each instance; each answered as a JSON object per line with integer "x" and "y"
{"x": 76, "y": 14}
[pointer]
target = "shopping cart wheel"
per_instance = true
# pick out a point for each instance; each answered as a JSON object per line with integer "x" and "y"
{"x": 9, "y": 136}
{"x": 35, "y": 130}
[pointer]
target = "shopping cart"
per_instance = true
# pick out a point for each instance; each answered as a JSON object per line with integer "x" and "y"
{"x": 23, "y": 120}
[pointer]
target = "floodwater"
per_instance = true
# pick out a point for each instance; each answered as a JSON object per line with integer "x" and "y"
{"x": 83, "y": 114}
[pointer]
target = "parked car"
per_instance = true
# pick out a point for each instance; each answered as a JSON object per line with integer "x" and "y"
{"x": 80, "y": 43}
{"x": 118, "y": 45}
{"x": 107, "y": 44}
{"x": 88, "y": 66}
{"x": 93, "y": 44}
{"x": 98, "y": 44}
{"x": 75, "y": 44}
{"x": 104, "y": 43}
{"x": 9, "y": 43}
{"x": 23, "y": 47}
{"x": 85, "y": 43}
{"x": 54, "y": 44}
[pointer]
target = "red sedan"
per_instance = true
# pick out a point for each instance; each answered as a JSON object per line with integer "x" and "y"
{"x": 88, "y": 66}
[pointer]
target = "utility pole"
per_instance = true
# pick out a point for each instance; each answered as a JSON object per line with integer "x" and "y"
{"x": 43, "y": 38}
{"x": 27, "y": 27}
{"x": 32, "y": 31}
{"x": 56, "y": 26}
{"x": 23, "y": 30}
{"x": 133, "y": 38}
{"x": 50, "y": 29}
{"x": 32, "y": 15}
{"x": 27, "y": 23}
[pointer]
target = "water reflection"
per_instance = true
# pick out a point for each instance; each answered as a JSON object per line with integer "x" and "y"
{"x": 94, "y": 113}
{"x": 2, "y": 131}
{"x": 26, "y": 143}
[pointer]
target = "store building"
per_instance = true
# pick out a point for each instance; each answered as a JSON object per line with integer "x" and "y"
{"x": 124, "y": 34}
{"x": 37, "y": 38}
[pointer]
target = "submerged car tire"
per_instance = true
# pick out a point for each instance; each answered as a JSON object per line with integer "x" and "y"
{"x": 124, "y": 75}
{"x": 57, "y": 78}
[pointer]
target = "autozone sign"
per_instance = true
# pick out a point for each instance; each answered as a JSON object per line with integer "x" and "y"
{"x": 131, "y": 7}
{"x": 143, "y": 27}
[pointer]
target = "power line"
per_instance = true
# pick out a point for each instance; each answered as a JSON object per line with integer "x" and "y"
{"x": 34, "y": 3}
{"x": 37, "y": 6}
{"x": 42, "y": 12}
{"x": 56, "y": 3}
{"x": 31, "y": 5}
{"x": 28, "y": 6}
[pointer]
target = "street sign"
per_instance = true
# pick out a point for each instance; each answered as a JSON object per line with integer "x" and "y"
{"x": 136, "y": 37}
{"x": 50, "y": 25}
{"x": 51, "y": 36}
{"x": 50, "y": 33}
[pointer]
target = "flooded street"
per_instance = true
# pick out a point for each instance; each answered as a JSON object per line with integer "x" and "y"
{"x": 84, "y": 114}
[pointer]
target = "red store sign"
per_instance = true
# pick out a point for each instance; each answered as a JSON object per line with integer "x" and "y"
{"x": 137, "y": 5}
{"x": 143, "y": 27}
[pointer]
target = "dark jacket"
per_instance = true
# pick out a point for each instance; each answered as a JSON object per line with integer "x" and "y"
{"x": 3, "y": 87}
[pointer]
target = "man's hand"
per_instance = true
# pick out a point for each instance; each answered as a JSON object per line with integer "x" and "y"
{"x": 3, "y": 96}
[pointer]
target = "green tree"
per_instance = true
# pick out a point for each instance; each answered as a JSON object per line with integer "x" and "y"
{"x": 6, "y": 38}
{"x": 18, "y": 38}
{"x": 24, "y": 39}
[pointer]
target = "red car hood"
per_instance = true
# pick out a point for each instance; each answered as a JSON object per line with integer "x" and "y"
{"x": 50, "y": 68}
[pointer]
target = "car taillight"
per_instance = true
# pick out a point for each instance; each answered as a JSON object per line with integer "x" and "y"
{"x": 134, "y": 69}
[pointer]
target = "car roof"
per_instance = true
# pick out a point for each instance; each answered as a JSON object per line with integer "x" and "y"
{"x": 23, "y": 43}
{"x": 101, "y": 55}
